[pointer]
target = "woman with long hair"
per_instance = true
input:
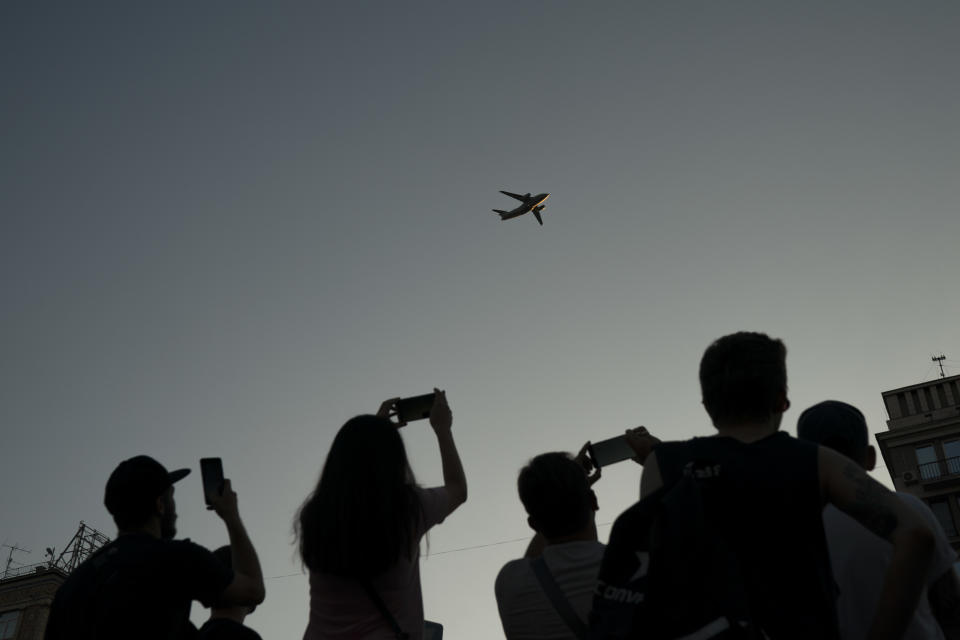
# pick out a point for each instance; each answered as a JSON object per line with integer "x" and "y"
{"x": 359, "y": 531}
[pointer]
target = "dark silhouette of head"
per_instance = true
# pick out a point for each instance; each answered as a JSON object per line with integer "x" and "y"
{"x": 743, "y": 378}
{"x": 362, "y": 516}
{"x": 139, "y": 490}
{"x": 554, "y": 490}
{"x": 841, "y": 427}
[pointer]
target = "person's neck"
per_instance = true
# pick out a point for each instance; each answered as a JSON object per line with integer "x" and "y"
{"x": 588, "y": 534}
{"x": 237, "y": 614}
{"x": 749, "y": 431}
{"x": 152, "y": 529}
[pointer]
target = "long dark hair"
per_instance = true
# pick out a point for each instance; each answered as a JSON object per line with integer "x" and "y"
{"x": 362, "y": 517}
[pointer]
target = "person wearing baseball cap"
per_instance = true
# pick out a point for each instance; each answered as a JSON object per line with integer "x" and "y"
{"x": 859, "y": 558}
{"x": 137, "y": 488}
{"x": 142, "y": 584}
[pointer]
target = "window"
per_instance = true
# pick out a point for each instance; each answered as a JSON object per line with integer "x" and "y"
{"x": 951, "y": 451}
{"x": 941, "y": 509}
{"x": 8, "y": 624}
{"x": 927, "y": 462}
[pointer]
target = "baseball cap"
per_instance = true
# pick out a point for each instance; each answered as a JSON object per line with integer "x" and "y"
{"x": 136, "y": 483}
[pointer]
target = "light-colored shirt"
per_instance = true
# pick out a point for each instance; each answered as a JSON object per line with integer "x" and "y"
{"x": 525, "y": 610}
{"x": 341, "y": 610}
{"x": 860, "y": 559}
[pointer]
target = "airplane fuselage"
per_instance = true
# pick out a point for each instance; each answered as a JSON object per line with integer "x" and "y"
{"x": 529, "y": 205}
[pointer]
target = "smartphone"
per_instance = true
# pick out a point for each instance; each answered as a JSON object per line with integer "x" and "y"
{"x": 607, "y": 452}
{"x": 211, "y": 470}
{"x": 414, "y": 408}
{"x": 432, "y": 630}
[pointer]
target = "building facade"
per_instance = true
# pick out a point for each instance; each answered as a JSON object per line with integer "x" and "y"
{"x": 922, "y": 446}
{"x": 26, "y": 593}
{"x": 25, "y": 599}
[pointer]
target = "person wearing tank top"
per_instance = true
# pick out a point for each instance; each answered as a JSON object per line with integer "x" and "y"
{"x": 764, "y": 498}
{"x": 766, "y": 491}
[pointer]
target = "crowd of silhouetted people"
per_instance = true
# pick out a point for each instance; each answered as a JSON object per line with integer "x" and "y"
{"x": 744, "y": 533}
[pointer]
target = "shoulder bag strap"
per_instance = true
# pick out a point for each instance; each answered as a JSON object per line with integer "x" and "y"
{"x": 559, "y": 601}
{"x": 375, "y": 598}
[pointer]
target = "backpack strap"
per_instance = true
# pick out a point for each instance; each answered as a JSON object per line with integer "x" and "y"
{"x": 557, "y": 599}
{"x": 375, "y": 598}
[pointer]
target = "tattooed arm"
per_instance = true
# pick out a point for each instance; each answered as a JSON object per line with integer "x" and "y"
{"x": 944, "y": 596}
{"x": 846, "y": 485}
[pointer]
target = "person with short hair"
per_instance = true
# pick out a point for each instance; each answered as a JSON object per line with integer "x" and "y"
{"x": 141, "y": 585}
{"x": 766, "y": 492}
{"x": 556, "y": 493}
{"x": 859, "y": 557}
{"x": 226, "y": 619}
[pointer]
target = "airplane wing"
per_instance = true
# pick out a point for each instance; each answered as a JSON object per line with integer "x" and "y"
{"x": 514, "y": 195}
{"x": 536, "y": 212}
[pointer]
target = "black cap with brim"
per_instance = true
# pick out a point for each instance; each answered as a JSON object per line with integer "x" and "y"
{"x": 136, "y": 483}
{"x": 177, "y": 475}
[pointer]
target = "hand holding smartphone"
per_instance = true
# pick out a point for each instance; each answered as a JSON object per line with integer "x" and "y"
{"x": 635, "y": 444}
{"x": 211, "y": 470}
{"x": 610, "y": 451}
{"x": 414, "y": 408}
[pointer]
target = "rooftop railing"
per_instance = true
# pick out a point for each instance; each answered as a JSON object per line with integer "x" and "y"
{"x": 16, "y": 572}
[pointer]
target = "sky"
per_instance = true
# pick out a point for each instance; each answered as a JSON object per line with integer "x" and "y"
{"x": 225, "y": 228}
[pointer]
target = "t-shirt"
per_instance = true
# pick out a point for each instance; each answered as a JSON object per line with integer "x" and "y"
{"x": 525, "y": 610}
{"x": 764, "y": 498}
{"x": 226, "y": 629}
{"x": 341, "y": 609}
{"x": 137, "y": 586}
{"x": 860, "y": 559}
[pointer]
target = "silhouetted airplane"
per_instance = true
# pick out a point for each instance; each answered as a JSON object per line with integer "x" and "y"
{"x": 530, "y": 203}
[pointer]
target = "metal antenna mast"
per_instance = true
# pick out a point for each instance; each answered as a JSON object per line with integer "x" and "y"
{"x": 81, "y": 546}
{"x": 939, "y": 360}
{"x": 12, "y": 548}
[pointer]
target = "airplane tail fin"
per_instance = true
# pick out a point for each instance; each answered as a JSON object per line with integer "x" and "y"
{"x": 503, "y": 214}
{"x": 539, "y": 219}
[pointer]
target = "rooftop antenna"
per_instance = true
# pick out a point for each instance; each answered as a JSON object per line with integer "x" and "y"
{"x": 82, "y": 545}
{"x": 939, "y": 360}
{"x": 12, "y": 548}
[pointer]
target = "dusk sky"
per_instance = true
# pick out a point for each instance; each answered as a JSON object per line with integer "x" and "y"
{"x": 225, "y": 228}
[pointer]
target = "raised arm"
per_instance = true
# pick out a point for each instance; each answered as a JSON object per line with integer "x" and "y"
{"x": 846, "y": 485}
{"x": 642, "y": 442}
{"x": 650, "y": 479}
{"x": 247, "y": 587}
{"x": 454, "y": 479}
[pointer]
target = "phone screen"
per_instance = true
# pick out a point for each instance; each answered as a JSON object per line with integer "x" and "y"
{"x": 211, "y": 470}
{"x": 414, "y": 408}
{"x": 607, "y": 452}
